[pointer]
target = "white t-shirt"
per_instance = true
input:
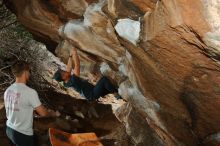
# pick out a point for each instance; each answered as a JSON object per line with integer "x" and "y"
{"x": 20, "y": 102}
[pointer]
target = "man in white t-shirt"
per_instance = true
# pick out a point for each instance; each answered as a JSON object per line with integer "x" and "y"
{"x": 20, "y": 103}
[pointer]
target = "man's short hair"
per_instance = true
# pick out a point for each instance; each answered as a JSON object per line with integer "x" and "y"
{"x": 58, "y": 75}
{"x": 19, "y": 67}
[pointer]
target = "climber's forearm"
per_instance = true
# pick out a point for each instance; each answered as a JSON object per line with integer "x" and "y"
{"x": 77, "y": 63}
{"x": 69, "y": 64}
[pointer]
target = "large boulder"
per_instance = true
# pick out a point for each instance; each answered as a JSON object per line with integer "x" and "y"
{"x": 168, "y": 49}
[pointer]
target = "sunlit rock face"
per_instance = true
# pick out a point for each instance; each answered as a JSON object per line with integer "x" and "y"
{"x": 168, "y": 49}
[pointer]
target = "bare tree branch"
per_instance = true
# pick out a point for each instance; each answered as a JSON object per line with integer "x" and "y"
{"x": 5, "y": 67}
{"x": 7, "y": 25}
{"x": 5, "y": 83}
{"x": 15, "y": 55}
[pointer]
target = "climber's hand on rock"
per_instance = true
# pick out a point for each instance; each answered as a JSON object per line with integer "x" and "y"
{"x": 73, "y": 51}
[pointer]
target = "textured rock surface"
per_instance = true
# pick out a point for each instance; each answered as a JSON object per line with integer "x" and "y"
{"x": 173, "y": 86}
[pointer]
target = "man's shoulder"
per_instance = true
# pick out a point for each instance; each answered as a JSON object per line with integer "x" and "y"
{"x": 11, "y": 87}
{"x": 25, "y": 88}
{"x": 30, "y": 90}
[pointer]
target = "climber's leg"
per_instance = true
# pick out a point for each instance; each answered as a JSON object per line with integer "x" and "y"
{"x": 103, "y": 87}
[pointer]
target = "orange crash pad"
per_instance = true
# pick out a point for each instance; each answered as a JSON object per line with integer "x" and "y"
{"x": 60, "y": 138}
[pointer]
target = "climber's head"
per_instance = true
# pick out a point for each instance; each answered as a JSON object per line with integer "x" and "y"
{"x": 61, "y": 75}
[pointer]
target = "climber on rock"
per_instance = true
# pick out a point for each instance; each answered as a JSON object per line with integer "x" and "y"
{"x": 103, "y": 87}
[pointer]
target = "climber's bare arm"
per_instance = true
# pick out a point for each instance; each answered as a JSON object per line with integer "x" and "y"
{"x": 75, "y": 58}
{"x": 69, "y": 65}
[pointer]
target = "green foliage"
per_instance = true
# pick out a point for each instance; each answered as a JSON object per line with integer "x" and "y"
{"x": 21, "y": 32}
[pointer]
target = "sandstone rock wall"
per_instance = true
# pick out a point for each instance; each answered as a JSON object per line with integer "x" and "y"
{"x": 168, "y": 49}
